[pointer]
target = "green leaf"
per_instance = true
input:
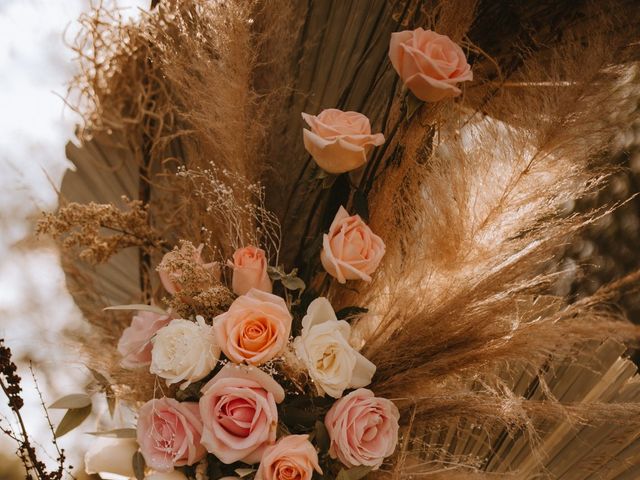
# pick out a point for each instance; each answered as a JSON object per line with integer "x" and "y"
{"x": 412, "y": 105}
{"x": 322, "y": 436}
{"x": 293, "y": 283}
{"x": 138, "y": 465}
{"x": 72, "y": 419}
{"x": 275, "y": 273}
{"x": 75, "y": 400}
{"x": 349, "y": 312}
{"x": 138, "y": 306}
{"x": 355, "y": 473}
{"x": 328, "y": 181}
{"x": 117, "y": 433}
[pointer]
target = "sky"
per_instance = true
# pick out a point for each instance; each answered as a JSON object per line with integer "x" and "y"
{"x": 35, "y": 125}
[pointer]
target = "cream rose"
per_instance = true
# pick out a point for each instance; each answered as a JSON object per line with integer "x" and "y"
{"x": 333, "y": 364}
{"x": 339, "y": 141}
{"x": 239, "y": 413}
{"x": 255, "y": 329}
{"x": 292, "y": 458}
{"x": 429, "y": 64}
{"x": 184, "y": 351}
{"x": 351, "y": 251}
{"x": 363, "y": 429}
{"x": 250, "y": 270}
{"x": 111, "y": 455}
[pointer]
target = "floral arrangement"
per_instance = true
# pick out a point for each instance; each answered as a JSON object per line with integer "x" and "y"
{"x": 240, "y": 373}
{"x": 366, "y": 291}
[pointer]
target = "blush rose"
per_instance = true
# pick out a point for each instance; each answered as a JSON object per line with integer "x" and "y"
{"x": 430, "y": 64}
{"x": 363, "y": 429}
{"x": 135, "y": 343}
{"x": 239, "y": 413}
{"x": 255, "y": 329}
{"x": 339, "y": 141}
{"x": 351, "y": 251}
{"x": 169, "y": 434}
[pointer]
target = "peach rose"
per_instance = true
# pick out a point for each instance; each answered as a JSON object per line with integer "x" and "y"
{"x": 292, "y": 458}
{"x": 363, "y": 429}
{"x": 169, "y": 434}
{"x": 429, "y": 64}
{"x": 339, "y": 141}
{"x": 255, "y": 329}
{"x": 135, "y": 343}
{"x": 351, "y": 251}
{"x": 238, "y": 408}
{"x": 171, "y": 279}
{"x": 250, "y": 270}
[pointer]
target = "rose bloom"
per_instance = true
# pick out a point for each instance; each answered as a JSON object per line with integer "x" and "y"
{"x": 333, "y": 364}
{"x": 351, "y": 251}
{"x": 429, "y": 64}
{"x": 239, "y": 414}
{"x": 250, "y": 270}
{"x": 135, "y": 343}
{"x": 171, "y": 280}
{"x": 292, "y": 458}
{"x": 363, "y": 429}
{"x": 255, "y": 329}
{"x": 169, "y": 434}
{"x": 184, "y": 350}
{"x": 339, "y": 141}
{"x": 111, "y": 455}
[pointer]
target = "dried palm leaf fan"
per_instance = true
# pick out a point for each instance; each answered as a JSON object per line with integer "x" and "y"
{"x": 192, "y": 106}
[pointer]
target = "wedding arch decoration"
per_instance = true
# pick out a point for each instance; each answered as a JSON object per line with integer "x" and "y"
{"x": 317, "y": 239}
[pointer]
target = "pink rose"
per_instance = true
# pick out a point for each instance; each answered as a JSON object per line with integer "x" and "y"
{"x": 135, "y": 343}
{"x": 238, "y": 408}
{"x": 339, "y": 141}
{"x": 169, "y": 434}
{"x": 255, "y": 329}
{"x": 292, "y": 458}
{"x": 250, "y": 270}
{"x": 429, "y": 64}
{"x": 363, "y": 429}
{"x": 351, "y": 251}
{"x": 171, "y": 279}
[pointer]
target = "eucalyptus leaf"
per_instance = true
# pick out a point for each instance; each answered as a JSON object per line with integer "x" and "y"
{"x": 139, "y": 307}
{"x": 111, "y": 404}
{"x": 355, "y": 473}
{"x": 293, "y": 283}
{"x": 72, "y": 419}
{"x": 75, "y": 400}
{"x": 275, "y": 273}
{"x": 138, "y": 465}
{"x": 116, "y": 433}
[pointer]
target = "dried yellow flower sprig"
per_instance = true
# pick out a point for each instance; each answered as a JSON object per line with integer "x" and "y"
{"x": 100, "y": 230}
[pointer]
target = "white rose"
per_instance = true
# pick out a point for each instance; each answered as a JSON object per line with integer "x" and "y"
{"x": 184, "y": 350}
{"x": 333, "y": 364}
{"x": 111, "y": 455}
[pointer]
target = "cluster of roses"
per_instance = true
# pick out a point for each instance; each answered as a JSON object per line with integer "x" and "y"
{"x": 236, "y": 417}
